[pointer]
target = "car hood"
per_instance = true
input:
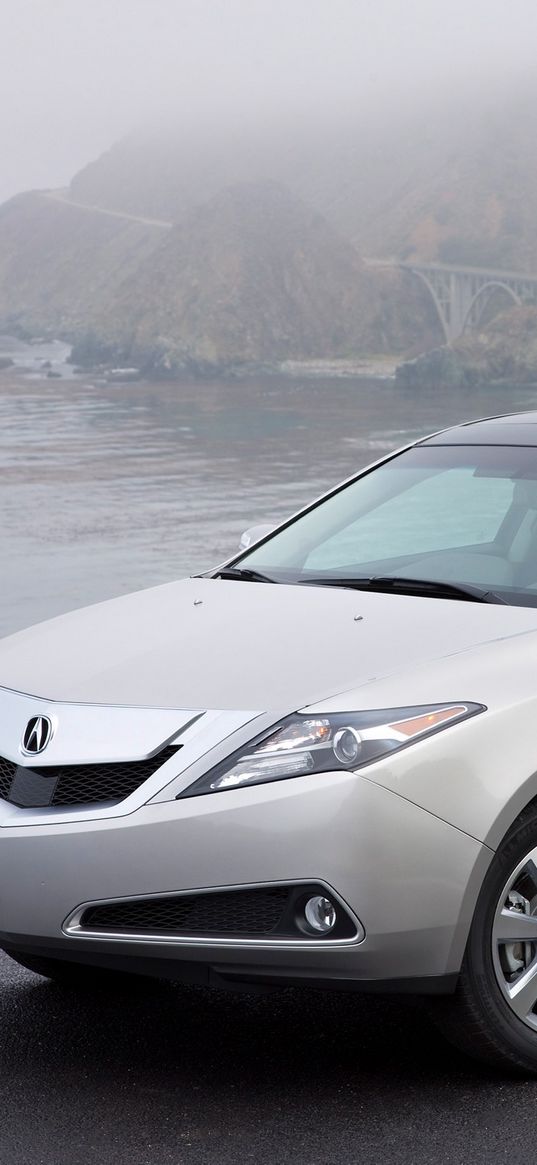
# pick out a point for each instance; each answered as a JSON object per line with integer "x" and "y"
{"x": 211, "y": 643}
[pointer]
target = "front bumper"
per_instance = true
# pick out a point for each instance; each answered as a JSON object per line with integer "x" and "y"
{"x": 409, "y": 877}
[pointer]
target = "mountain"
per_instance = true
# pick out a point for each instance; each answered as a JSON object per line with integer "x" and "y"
{"x": 471, "y": 201}
{"x": 252, "y": 276}
{"x": 451, "y": 181}
{"x": 60, "y": 266}
{"x": 208, "y": 253}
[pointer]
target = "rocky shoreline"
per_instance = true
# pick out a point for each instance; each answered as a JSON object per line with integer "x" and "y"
{"x": 505, "y": 352}
{"x": 51, "y": 358}
{"x": 92, "y": 356}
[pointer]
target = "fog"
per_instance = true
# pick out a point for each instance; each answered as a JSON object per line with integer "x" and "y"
{"x": 77, "y": 74}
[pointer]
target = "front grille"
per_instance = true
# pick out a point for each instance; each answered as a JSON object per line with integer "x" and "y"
{"x": 33, "y": 788}
{"x": 251, "y": 912}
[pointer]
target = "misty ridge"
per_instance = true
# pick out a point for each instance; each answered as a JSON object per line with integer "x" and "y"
{"x": 185, "y": 252}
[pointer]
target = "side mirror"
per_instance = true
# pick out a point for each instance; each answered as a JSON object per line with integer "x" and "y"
{"x": 254, "y": 534}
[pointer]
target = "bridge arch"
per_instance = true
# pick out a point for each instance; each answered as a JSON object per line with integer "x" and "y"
{"x": 459, "y": 294}
{"x": 484, "y": 294}
{"x": 440, "y": 307}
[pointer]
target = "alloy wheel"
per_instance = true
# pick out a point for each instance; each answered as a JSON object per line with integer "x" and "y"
{"x": 514, "y": 940}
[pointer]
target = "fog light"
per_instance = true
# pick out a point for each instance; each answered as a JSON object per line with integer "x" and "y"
{"x": 320, "y": 914}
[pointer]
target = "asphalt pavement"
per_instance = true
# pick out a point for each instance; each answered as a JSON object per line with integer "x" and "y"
{"x": 166, "y": 1075}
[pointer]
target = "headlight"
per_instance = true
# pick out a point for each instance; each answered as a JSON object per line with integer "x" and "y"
{"x": 317, "y": 744}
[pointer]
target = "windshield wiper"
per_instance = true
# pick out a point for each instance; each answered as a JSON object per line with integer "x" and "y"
{"x": 413, "y": 586}
{"x": 243, "y": 574}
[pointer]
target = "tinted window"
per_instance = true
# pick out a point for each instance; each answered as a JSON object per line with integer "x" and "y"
{"x": 445, "y": 511}
{"x": 466, "y": 514}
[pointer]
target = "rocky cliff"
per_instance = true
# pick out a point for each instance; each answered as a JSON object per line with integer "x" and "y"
{"x": 252, "y": 276}
{"x": 503, "y": 352}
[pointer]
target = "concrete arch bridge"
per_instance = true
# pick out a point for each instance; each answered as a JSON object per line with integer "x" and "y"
{"x": 461, "y": 294}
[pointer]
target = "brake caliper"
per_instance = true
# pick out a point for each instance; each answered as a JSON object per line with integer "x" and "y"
{"x": 517, "y": 956}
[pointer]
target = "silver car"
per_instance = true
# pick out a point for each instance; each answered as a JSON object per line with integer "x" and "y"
{"x": 316, "y": 764}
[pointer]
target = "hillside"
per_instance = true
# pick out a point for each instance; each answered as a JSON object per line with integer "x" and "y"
{"x": 454, "y": 182}
{"x": 60, "y": 267}
{"x": 474, "y": 207}
{"x": 242, "y": 250}
{"x": 252, "y": 276}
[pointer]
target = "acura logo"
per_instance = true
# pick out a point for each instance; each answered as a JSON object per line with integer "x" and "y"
{"x": 37, "y": 735}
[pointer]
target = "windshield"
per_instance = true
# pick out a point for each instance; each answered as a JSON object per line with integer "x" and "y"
{"x": 454, "y": 514}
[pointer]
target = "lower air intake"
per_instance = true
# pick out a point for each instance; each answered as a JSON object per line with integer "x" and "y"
{"x": 243, "y": 912}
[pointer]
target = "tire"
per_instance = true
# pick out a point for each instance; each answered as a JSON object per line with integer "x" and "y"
{"x": 76, "y": 975}
{"x": 490, "y": 1017}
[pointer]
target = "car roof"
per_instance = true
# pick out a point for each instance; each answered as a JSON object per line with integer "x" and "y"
{"x": 509, "y": 429}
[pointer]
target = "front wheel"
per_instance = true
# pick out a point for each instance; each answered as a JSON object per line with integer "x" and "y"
{"x": 493, "y": 1014}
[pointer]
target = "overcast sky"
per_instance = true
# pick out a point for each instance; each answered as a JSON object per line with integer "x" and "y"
{"x": 77, "y": 74}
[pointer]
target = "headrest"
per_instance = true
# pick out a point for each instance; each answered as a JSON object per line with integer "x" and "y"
{"x": 525, "y": 493}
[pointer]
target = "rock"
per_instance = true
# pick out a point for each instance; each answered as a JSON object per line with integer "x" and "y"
{"x": 505, "y": 352}
{"x": 440, "y": 366}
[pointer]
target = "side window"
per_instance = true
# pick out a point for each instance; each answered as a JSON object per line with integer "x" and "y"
{"x": 449, "y": 510}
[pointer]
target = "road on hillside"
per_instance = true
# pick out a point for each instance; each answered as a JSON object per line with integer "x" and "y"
{"x": 173, "y": 1076}
{"x": 63, "y": 196}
